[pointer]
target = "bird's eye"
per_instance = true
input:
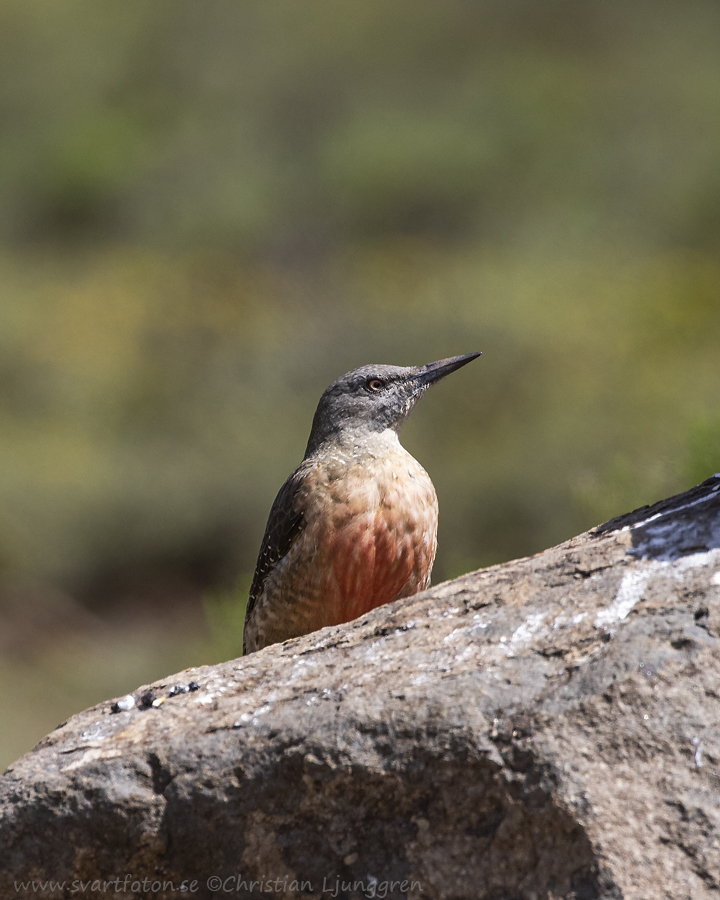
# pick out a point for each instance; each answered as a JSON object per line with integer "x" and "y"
{"x": 374, "y": 384}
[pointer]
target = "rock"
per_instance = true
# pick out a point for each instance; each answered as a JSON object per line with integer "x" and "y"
{"x": 547, "y": 728}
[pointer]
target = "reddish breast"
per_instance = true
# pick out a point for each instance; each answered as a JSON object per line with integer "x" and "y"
{"x": 380, "y": 542}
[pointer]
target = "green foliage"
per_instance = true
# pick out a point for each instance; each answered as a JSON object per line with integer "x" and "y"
{"x": 704, "y": 449}
{"x": 225, "y": 617}
{"x": 248, "y": 125}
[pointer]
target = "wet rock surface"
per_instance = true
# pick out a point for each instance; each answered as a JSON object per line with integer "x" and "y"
{"x": 547, "y": 728}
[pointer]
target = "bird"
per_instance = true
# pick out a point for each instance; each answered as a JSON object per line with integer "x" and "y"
{"x": 355, "y": 525}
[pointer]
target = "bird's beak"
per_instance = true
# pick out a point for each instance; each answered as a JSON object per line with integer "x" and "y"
{"x": 432, "y": 372}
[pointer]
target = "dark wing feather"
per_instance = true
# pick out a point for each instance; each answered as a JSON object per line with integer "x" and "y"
{"x": 285, "y": 522}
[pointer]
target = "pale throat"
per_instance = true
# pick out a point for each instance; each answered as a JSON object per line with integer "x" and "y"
{"x": 361, "y": 445}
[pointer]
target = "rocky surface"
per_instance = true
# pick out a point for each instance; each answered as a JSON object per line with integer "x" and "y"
{"x": 547, "y": 728}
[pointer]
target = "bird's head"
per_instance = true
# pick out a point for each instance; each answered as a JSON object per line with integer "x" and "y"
{"x": 375, "y": 398}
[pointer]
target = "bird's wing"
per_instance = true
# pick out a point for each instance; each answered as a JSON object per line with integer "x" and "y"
{"x": 285, "y": 523}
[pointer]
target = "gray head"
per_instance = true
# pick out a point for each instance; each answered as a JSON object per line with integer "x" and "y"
{"x": 375, "y": 398}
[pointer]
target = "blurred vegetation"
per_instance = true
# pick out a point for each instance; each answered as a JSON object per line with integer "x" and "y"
{"x": 225, "y": 616}
{"x": 210, "y": 211}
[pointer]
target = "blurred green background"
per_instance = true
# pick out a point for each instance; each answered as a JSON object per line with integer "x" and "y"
{"x": 209, "y": 211}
